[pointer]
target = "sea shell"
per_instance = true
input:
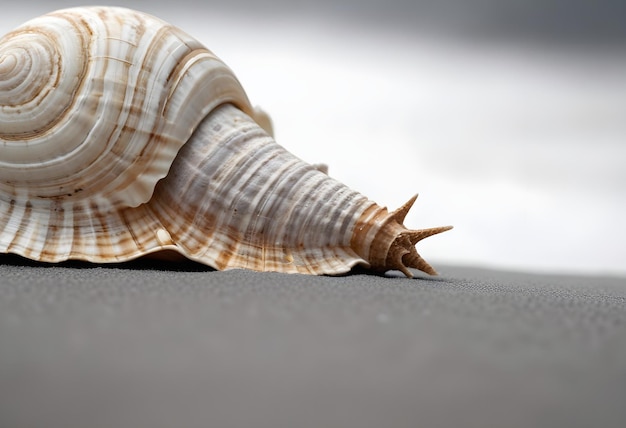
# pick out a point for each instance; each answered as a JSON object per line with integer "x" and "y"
{"x": 122, "y": 136}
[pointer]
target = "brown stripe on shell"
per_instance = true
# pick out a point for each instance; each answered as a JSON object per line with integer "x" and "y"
{"x": 54, "y": 235}
{"x": 20, "y": 241}
{"x": 8, "y": 219}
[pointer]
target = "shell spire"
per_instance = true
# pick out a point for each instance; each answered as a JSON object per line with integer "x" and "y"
{"x": 392, "y": 245}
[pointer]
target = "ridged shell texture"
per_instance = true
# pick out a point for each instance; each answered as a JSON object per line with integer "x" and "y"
{"x": 121, "y": 136}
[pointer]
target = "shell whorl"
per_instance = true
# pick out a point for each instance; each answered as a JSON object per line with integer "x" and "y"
{"x": 121, "y": 136}
{"x": 88, "y": 87}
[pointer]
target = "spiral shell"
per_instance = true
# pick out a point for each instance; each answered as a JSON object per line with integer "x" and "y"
{"x": 121, "y": 136}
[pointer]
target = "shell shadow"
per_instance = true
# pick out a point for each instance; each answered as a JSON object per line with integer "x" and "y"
{"x": 392, "y": 274}
{"x": 185, "y": 265}
{"x": 142, "y": 263}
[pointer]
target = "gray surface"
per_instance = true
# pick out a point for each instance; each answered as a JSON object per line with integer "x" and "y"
{"x": 149, "y": 345}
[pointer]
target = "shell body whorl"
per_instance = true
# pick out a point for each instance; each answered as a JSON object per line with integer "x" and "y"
{"x": 121, "y": 136}
{"x": 88, "y": 87}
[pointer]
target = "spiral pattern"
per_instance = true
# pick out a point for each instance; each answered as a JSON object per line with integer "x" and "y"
{"x": 96, "y": 102}
{"x": 36, "y": 83}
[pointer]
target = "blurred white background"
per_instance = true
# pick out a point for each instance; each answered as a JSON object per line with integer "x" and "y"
{"x": 507, "y": 117}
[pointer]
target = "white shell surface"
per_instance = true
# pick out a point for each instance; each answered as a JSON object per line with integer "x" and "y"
{"x": 96, "y": 102}
{"x": 83, "y": 145}
{"x": 246, "y": 202}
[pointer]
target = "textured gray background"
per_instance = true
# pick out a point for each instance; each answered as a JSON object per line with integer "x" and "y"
{"x": 158, "y": 345}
